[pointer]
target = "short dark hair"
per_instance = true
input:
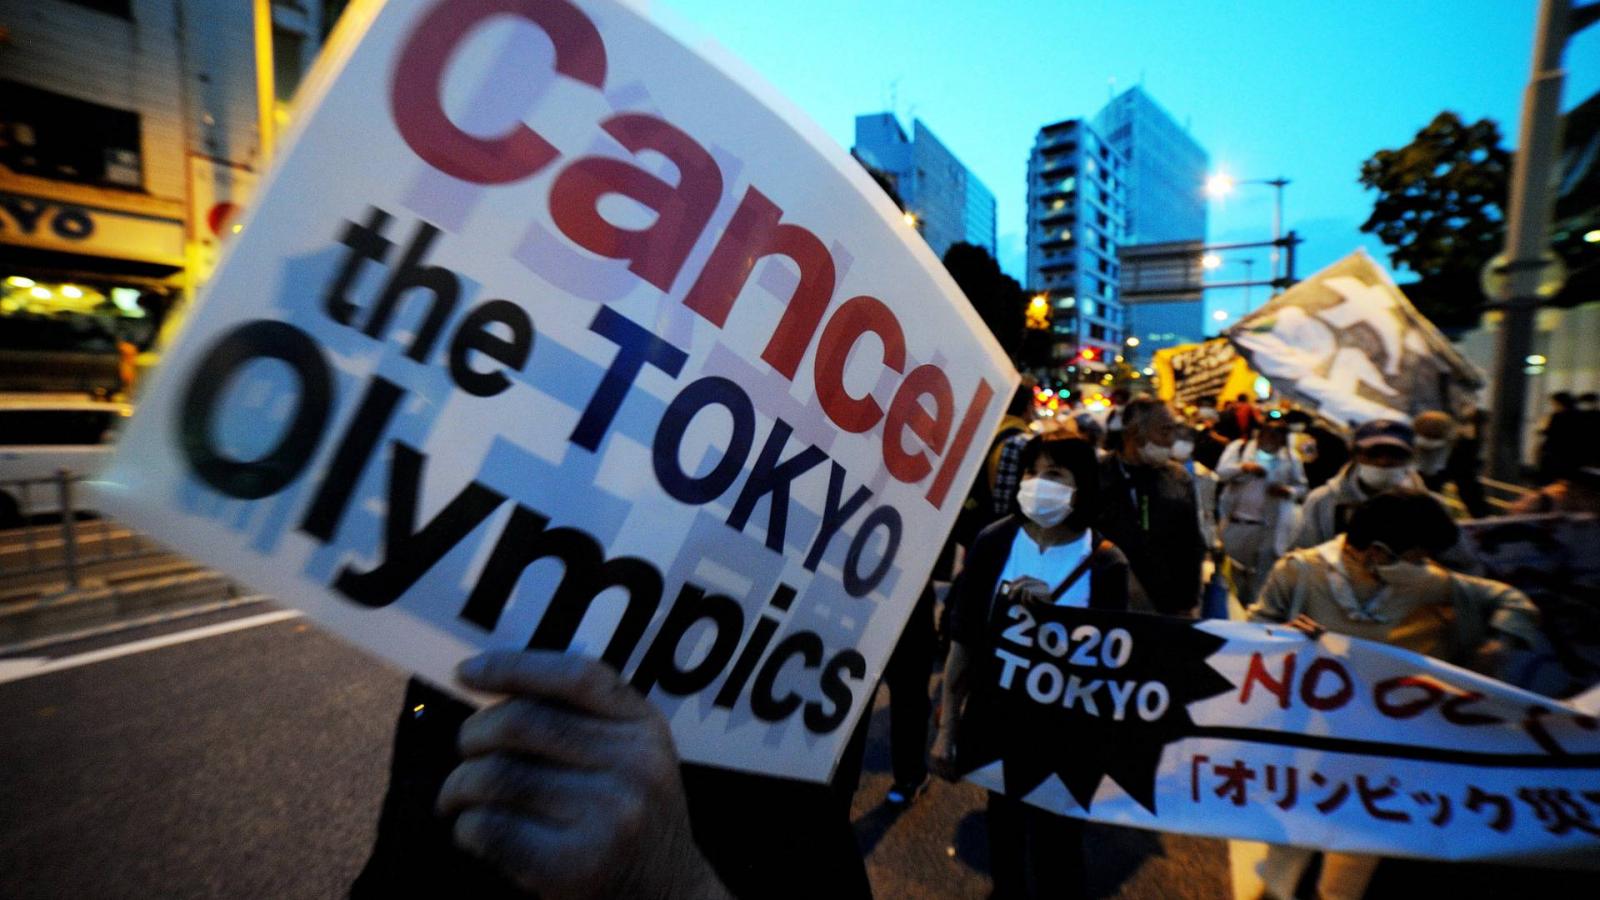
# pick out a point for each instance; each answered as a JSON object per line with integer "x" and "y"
{"x": 1076, "y": 455}
{"x": 1403, "y": 520}
{"x": 1138, "y": 413}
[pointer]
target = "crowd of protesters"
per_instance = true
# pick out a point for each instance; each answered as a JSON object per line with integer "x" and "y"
{"x": 571, "y": 786}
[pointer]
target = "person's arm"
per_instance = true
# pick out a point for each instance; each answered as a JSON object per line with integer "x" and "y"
{"x": 1276, "y": 600}
{"x": 1509, "y": 612}
{"x": 953, "y": 698}
{"x": 1296, "y": 481}
{"x": 1307, "y": 532}
{"x": 1231, "y": 466}
{"x": 570, "y": 786}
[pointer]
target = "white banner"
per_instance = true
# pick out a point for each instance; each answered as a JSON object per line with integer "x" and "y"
{"x": 1236, "y": 730}
{"x": 546, "y": 331}
{"x": 1347, "y": 343}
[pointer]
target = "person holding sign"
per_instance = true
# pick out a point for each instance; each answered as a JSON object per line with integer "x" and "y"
{"x": 1378, "y": 582}
{"x": 1047, "y": 555}
{"x": 571, "y": 786}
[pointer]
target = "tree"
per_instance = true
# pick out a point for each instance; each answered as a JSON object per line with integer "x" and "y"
{"x": 997, "y": 297}
{"x": 1441, "y": 208}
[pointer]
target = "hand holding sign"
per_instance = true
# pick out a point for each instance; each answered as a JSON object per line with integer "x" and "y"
{"x": 571, "y": 785}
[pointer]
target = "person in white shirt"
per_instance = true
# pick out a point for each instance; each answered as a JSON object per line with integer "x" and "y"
{"x": 1261, "y": 481}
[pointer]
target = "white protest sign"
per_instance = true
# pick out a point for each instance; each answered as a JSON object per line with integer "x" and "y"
{"x": 545, "y": 331}
{"x": 1238, "y": 730}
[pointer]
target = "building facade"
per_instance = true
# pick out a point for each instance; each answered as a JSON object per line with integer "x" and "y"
{"x": 131, "y": 133}
{"x": 949, "y": 204}
{"x": 1165, "y": 203}
{"x": 1075, "y": 227}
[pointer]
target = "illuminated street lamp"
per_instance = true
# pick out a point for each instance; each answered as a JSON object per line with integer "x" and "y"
{"x": 910, "y": 218}
{"x": 1211, "y": 261}
{"x": 1038, "y": 314}
{"x": 1222, "y": 184}
{"x": 1220, "y": 315}
{"x": 1133, "y": 342}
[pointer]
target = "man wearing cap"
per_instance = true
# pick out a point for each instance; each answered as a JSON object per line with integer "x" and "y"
{"x": 1385, "y": 460}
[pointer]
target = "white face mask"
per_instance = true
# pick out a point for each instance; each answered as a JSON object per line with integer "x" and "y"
{"x": 1266, "y": 457}
{"x": 1043, "y": 501}
{"x": 1154, "y": 454}
{"x": 1424, "y": 443}
{"x": 1377, "y": 479}
{"x": 1298, "y": 428}
{"x": 1182, "y": 450}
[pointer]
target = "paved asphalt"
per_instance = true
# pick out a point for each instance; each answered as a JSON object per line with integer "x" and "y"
{"x": 251, "y": 764}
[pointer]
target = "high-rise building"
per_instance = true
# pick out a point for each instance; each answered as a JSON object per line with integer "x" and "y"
{"x": 1075, "y": 225}
{"x": 949, "y": 203}
{"x": 1166, "y": 169}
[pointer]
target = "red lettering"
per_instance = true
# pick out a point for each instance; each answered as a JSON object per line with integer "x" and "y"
{"x": 981, "y": 395}
{"x": 414, "y": 97}
{"x": 1258, "y": 674}
{"x": 1453, "y": 713}
{"x": 1313, "y": 675}
{"x": 657, "y": 252}
{"x": 906, "y": 412}
{"x": 854, "y": 318}
{"x": 1381, "y": 696}
{"x": 754, "y": 232}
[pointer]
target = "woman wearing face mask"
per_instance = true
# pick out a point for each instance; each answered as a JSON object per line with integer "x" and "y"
{"x": 1378, "y": 582}
{"x": 1044, "y": 553}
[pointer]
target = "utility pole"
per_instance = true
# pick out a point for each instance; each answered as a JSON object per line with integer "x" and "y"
{"x": 1522, "y": 273}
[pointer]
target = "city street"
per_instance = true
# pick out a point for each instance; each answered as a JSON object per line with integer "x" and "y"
{"x": 250, "y": 763}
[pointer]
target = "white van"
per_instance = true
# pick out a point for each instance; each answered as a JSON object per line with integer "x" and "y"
{"x": 42, "y": 434}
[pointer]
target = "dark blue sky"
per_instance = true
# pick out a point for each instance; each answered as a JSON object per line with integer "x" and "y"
{"x": 1303, "y": 89}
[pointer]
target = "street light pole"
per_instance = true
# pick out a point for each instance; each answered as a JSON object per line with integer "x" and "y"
{"x": 1221, "y": 184}
{"x": 1278, "y": 185}
{"x": 1527, "y": 235}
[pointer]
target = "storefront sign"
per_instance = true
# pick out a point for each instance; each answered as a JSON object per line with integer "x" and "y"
{"x": 547, "y": 332}
{"x": 53, "y": 225}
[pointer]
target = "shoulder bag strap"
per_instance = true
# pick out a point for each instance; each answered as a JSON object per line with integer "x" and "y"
{"x": 1082, "y": 569}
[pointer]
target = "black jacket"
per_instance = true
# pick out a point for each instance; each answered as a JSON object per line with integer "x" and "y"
{"x": 1149, "y": 513}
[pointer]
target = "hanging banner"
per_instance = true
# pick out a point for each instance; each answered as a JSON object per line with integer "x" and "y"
{"x": 1237, "y": 730}
{"x": 1347, "y": 343}
{"x": 546, "y": 331}
{"x": 1205, "y": 374}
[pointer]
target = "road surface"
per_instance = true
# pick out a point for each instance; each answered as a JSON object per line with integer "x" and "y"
{"x": 243, "y": 753}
